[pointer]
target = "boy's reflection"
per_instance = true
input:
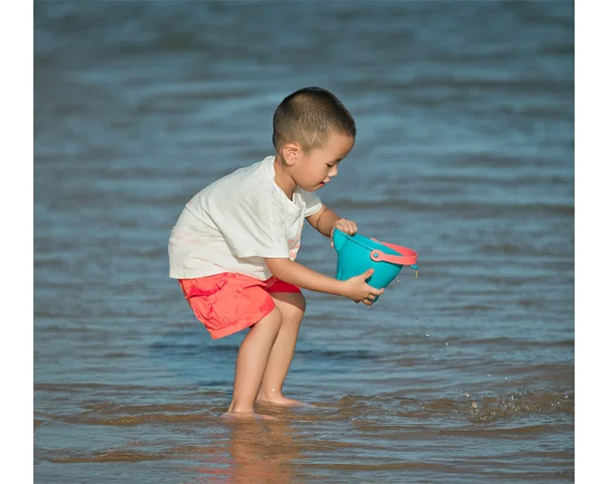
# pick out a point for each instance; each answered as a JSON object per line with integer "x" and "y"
{"x": 258, "y": 452}
{"x": 262, "y": 452}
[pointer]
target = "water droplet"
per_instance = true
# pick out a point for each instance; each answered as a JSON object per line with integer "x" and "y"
{"x": 427, "y": 334}
{"x": 489, "y": 374}
{"x": 467, "y": 394}
{"x": 506, "y": 377}
{"x": 446, "y": 343}
{"x": 474, "y": 404}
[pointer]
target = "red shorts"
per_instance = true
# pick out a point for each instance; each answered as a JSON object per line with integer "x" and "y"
{"x": 226, "y": 303}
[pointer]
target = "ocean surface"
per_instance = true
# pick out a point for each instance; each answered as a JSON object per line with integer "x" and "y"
{"x": 464, "y": 153}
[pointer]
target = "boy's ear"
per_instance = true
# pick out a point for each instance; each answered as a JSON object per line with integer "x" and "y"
{"x": 291, "y": 152}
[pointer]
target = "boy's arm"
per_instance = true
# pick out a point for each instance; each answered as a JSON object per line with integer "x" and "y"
{"x": 325, "y": 220}
{"x": 354, "y": 288}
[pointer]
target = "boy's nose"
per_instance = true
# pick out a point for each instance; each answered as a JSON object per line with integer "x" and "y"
{"x": 333, "y": 172}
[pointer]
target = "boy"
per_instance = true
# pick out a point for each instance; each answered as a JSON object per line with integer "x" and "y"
{"x": 234, "y": 245}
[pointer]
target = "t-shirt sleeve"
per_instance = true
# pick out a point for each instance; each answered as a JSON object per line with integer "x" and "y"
{"x": 312, "y": 202}
{"x": 253, "y": 227}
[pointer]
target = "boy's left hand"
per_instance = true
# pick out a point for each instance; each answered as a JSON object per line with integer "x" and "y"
{"x": 347, "y": 226}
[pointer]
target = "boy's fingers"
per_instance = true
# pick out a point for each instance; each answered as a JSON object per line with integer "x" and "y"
{"x": 347, "y": 226}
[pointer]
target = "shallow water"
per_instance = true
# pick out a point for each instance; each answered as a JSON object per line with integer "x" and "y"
{"x": 464, "y": 153}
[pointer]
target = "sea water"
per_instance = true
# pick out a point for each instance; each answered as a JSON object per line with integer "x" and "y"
{"x": 464, "y": 153}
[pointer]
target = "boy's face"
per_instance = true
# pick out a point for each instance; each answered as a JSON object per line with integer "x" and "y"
{"x": 315, "y": 169}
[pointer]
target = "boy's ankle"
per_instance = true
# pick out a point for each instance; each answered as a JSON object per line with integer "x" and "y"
{"x": 239, "y": 407}
{"x": 269, "y": 394}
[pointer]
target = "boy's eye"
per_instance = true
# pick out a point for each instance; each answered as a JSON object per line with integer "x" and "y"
{"x": 329, "y": 165}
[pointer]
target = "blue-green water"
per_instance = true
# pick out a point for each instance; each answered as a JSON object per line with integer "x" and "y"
{"x": 464, "y": 153}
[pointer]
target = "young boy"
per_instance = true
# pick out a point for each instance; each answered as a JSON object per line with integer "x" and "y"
{"x": 234, "y": 246}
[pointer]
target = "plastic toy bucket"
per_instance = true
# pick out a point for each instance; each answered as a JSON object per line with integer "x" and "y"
{"x": 357, "y": 253}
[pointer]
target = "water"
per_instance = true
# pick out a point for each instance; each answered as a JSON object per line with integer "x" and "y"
{"x": 464, "y": 153}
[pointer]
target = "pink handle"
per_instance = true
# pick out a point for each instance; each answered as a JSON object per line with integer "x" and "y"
{"x": 408, "y": 256}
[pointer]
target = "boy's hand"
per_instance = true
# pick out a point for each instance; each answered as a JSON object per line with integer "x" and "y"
{"x": 358, "y": 290}
{"x": 347, "y": 226}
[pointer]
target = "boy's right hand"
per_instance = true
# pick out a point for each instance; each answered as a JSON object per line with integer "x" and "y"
{"x": 358, "y": 290}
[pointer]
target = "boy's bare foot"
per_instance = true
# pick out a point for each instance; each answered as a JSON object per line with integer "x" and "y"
{"x": 244, "y": 416}
{"x": 280, "y": 401}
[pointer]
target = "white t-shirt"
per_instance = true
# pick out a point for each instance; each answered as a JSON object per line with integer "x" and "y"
{"x": 237, "y": 221}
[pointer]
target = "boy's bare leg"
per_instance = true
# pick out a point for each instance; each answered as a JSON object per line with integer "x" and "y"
{"x": 251, "y": 363}
{"x": 292, "y": 306}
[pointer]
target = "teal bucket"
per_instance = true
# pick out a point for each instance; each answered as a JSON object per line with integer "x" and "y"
{"x": 357, "y": 253}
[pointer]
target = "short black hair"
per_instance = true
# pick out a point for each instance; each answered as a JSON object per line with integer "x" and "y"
{"x": 308, "y": 116}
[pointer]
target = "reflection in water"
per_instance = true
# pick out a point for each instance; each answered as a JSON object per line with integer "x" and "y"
{"x": 255, "y": 452}
{"x": 262, "y": 452}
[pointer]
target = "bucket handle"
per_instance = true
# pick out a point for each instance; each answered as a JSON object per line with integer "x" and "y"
{"x": 408, "y": 256}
